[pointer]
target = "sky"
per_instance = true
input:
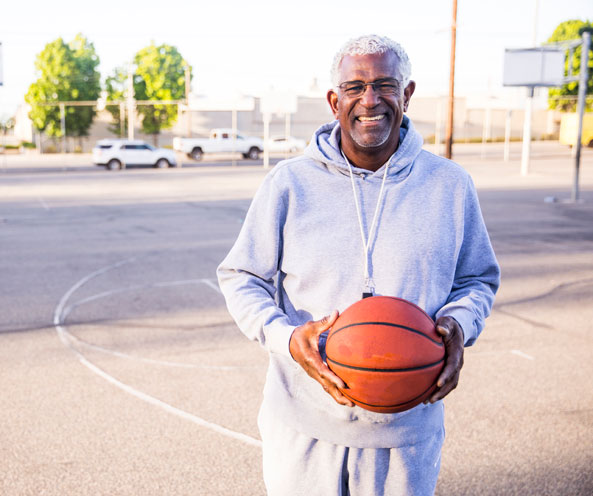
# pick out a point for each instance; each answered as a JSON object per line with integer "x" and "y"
{"x": 249, "y": 48}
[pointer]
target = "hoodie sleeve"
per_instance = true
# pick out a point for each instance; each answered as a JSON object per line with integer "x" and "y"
{"x": 477, "y": 274}
{"x": 248, "y": 273}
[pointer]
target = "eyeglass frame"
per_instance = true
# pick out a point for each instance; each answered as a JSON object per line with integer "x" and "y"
{"x": 373, "y": 84}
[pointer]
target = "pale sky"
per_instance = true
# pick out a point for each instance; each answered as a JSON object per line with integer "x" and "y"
{"x": 251, "y": 47}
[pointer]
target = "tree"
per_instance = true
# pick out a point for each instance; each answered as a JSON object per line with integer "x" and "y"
{"x": 85, "y": 86}
{"x": 564, "y": 98}
{"x": 115, "y": 86}
{"x": 159, "y": 75}
{"x": 66, "y": 72}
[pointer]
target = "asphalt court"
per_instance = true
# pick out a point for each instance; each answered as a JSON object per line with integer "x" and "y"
{"x": 124, "y": 374}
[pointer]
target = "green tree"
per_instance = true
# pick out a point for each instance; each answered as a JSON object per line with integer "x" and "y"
{"x": 159, "y": 75}
{"x": 66, "y": 72}
{"x": 85, "y": 86}
{"x": 557, "y": 97}
{"x": 115, "y": 86}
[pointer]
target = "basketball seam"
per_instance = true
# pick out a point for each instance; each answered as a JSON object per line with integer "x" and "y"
{"x": 390, "y": 324}
{"x": 397, "y": 405}
{"x": 368, "y": 369}
{"x": 409, "y": 303}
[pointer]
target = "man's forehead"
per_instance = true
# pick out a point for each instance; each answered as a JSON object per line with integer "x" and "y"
{"x": 376, "y": 64}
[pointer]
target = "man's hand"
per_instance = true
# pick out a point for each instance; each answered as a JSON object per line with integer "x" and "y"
{"x": 453, "y": 337}
{"x": 304, "y": 348}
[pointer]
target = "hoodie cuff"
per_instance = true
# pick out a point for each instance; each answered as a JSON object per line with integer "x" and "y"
{"x": 278, "y": 339}
{"x": 464, "y": 318}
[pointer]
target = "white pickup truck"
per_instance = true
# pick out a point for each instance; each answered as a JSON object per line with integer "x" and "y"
{"x": 220, "y": 141}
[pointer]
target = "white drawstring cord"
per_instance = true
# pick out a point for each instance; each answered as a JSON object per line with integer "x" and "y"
{"x": 366, "y": 243}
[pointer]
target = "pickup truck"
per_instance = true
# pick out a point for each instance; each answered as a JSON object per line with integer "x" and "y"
{"x": 220, "y": 141}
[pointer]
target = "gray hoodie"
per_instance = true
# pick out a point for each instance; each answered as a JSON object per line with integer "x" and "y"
{"x": 299, "y": 256}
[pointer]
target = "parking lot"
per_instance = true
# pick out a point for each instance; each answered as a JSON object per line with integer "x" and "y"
{"x": 122, "y": 372}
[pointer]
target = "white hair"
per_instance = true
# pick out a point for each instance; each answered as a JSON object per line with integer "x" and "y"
{"x": 370, "y": 44}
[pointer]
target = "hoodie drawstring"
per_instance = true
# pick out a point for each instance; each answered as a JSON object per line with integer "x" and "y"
{"x": 369, "y": 285}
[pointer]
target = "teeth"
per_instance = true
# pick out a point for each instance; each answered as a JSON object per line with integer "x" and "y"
{"x": 374, "y": 118}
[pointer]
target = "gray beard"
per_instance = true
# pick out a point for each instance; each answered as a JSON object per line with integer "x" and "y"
{"x": 381, "y": 140}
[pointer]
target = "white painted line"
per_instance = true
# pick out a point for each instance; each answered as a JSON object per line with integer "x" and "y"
{"x": 67, "y": 339}
{"x": 171, "y": 409}
{"x": 104, "y": 294}
{"x": 212, "y": 285}
{"x": 522, "y": 355}
{"x": 62, "y": 303}
{"x": 111, "y": 292}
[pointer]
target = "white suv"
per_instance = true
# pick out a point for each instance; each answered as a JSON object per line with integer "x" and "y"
{"x": 118, "y": 153}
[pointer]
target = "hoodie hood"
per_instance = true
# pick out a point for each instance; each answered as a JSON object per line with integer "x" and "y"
{"x": 325, "y": 147}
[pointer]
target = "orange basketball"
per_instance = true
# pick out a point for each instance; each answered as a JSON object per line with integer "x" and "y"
{"x": 388, "y": 353}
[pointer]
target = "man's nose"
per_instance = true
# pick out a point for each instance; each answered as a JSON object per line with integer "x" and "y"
{"x": 370, "y": 97}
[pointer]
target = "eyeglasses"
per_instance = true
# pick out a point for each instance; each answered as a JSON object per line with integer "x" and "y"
{"x": 384, "y": 87}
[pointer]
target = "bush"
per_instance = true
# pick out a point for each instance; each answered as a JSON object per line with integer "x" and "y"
{"x": 28, "y": 144}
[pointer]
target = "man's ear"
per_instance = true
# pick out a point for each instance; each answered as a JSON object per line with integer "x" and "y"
{"x": 408, "y": 92}
{"x": 332, "y": 98}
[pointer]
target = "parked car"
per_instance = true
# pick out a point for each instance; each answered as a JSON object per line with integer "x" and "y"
{"x": 220, "y": 141}
{"x": 286, "y": 144}
{"x": 116, "y": 154}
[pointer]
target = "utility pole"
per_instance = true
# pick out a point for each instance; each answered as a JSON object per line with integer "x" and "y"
{"x": 449, "y": 129}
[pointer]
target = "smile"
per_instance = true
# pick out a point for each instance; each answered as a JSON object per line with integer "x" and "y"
{"x": 371, "y": 119}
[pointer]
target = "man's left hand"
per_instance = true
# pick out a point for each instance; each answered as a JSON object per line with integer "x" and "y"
{"x": 453, "y": 338}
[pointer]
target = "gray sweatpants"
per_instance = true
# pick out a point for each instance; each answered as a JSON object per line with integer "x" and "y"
{"x": 296, "y": 465}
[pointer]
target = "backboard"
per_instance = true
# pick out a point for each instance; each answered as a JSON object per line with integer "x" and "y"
{"x": 278, "y": 102}
{"x": 541, "y": 66}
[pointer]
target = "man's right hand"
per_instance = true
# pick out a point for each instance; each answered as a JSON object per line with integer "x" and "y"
{"x": 304, "y": 348}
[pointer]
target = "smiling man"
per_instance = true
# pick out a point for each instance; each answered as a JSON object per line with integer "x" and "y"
{"x": 370, "y": 120}
{"x": 364, "y": 212}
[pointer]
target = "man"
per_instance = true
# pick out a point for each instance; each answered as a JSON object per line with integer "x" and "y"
{"x": 364, "y": 211}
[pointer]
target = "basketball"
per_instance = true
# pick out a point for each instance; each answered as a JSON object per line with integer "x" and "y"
{"x": 387, "y": 352}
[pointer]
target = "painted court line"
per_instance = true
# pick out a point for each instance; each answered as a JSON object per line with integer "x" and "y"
{"x": 128, "y": 289}
{"x": 169, "y": 408}
{"x": 67, "y": 339}
{"x": 119, "y": 354}
{"x": 522, "y": 355}
{"x": 212, "y": 285}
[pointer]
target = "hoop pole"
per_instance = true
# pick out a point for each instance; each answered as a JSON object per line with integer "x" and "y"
{"x": 580, "y": 112}
{"x": 526, "y": 152}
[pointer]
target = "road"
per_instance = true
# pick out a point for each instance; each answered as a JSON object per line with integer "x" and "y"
{"x": 122, "y": 372}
